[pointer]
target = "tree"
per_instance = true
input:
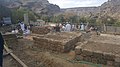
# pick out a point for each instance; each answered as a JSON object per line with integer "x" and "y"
{"x": 117, "y": 23}
{"x": 18, "y": 14}
{"x": 82, "y": 19}
{"x": 73, "y": 19}
{"x": 32, "y": 16}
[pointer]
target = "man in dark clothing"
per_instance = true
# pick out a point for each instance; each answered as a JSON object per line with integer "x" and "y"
{"x": 57, "y": 28}
{"x": 1, "y": 50}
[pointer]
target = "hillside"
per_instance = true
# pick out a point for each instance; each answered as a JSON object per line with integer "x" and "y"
{"x": 82, "y": 11}
{"x": 41, "y": 7}
{"x": 110, "y": 8}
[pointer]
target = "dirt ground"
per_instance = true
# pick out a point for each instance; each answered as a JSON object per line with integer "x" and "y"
{"x": 107, "y": 39}
{"x": 103, "y": 47}
{"x": 34, "y": 57}
{"x": 10, "y": 62}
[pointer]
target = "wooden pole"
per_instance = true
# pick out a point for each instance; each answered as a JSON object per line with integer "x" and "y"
{"x": 15, "y": 57}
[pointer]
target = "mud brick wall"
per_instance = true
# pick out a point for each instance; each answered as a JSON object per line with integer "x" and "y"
{"x": 40, "y": 30}
{"x": 45, "y": 43}
{"x": 10, "y": 40}
{"x": 98, "y": 57}
{"x": 5, "y": 29}
{"x": 56, "y": 43}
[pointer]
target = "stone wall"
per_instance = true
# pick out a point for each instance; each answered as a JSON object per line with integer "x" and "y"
{"x": 10, "y": 40}
{"x": 58, "y": 42}
{"x": 96, "y": 52}
{"x": 40, "y": 30}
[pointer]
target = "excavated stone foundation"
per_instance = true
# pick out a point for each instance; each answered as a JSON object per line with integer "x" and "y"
{"x": 100, "y": 50}
{"x": 58, "y": 42}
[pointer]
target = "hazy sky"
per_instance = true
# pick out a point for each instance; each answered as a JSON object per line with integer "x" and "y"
{"x": 77, "y": 3}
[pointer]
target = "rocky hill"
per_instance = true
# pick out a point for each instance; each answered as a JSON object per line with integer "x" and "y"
{"x": 43, "y": 7}
{"x": 82, "y": 11}
{"x": 38, "y": 6}
{"x": 110, "y": 8}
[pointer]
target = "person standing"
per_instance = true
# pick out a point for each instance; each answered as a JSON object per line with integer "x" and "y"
{"x": 82, "y": 27}
{"x": 68, "y": 27}
{"x": 22, "y": 25}
{"x": 1, "y": 50}
{"x": 63, "y": 28}
{"x": 73, "y": 27}
{"x": 57, "y": 28}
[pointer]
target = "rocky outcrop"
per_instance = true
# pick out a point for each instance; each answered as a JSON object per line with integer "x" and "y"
{"x": 82, "y": 11}
{"x": 43, "y": 7}
{"x": 110, "y": 8}
{"x": 38, "y": 6}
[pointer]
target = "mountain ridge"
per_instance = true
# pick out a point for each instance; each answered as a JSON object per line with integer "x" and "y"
{"x": 40, "y": 7}
{"x": 110, "y": 8}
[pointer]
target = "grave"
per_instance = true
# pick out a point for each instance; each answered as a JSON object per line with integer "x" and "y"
{"x": 99, "y": 50}
{"x": 58, "y": 42}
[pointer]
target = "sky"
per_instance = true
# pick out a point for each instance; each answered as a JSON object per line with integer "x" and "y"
{"x": 77, "y": 3}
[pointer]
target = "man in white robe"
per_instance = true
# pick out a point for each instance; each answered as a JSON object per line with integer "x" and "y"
{"x": 22, "y": 25}
{"x": 68, "y": 27}
{"x": 82, "y": 27}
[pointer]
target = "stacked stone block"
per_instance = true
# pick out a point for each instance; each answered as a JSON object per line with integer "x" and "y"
{"x": 40, "y": 30}
{"x": 58, "y": 42}
{"x": 97, "y": 56}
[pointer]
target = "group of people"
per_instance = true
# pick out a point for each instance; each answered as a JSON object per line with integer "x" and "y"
{"x": 21, "y": 28}
{"x": 63, "y": 27}
{"x": 68, "y": 27}
{"x": 24, "y": 28}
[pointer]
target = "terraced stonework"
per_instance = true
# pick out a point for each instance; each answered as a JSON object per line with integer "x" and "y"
{"x": 58, "y": 42}
{"x": 100, "y": 50}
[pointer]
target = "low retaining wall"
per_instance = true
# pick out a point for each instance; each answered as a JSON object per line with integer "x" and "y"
{"x": 40, "y": 30}
{"x": 96, "y": 52}
{"x": 10, "y": 40}
{"x": 58, "y": 42}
